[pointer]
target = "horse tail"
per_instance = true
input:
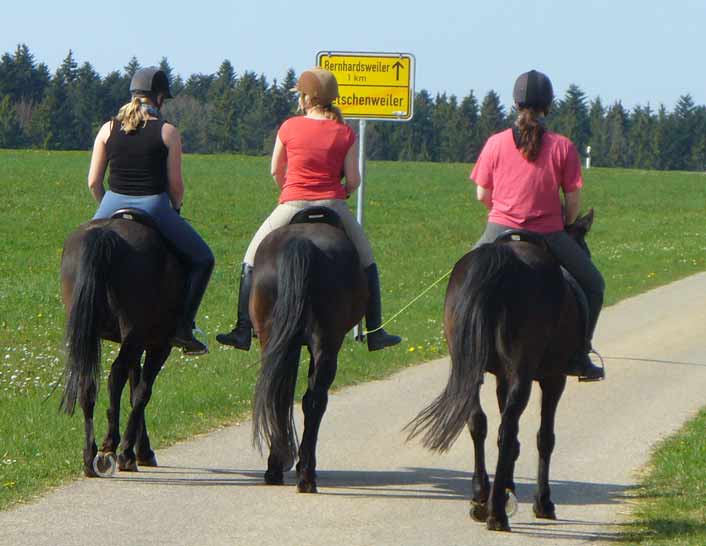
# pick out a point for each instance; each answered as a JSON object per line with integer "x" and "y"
{"x": 476, "y": 335}
{"x": 89, "y": 306}
{"x": 274, "y": 393}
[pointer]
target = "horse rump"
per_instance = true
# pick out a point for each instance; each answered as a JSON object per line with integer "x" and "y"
{"x": 88, "y": 306}
{"x": 483, "y": 314}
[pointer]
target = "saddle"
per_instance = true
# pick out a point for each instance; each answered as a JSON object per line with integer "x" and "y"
{"x": 317, "y": 215}
{"x": 537, "y": 239}
{"x": 135, "y": 215}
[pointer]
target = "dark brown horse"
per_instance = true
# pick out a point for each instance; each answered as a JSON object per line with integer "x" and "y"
{"x": 510, "y": 312}
{"x": 308, "y": 289}
{"x": 120, "y": 283}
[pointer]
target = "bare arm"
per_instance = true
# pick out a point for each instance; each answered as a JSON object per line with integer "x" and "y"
{"x": 572, "y": 206}
{"x": 99, "y": 162}
{"x": 278, "y": 167}
{"x": 175, "y": 187}
{"x": 485, "y": 196}
{"x": 350, "y": 170}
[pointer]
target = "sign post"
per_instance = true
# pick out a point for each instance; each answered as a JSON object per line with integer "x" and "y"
{"x": 375, "y": 87}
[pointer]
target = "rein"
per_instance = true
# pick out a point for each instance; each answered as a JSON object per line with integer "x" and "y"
{"x": 393, "y": 317}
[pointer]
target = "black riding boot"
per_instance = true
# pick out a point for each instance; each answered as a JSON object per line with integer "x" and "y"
{"x": 196, "y": 283}
{"x": 240, "y": 337}
{"x": 580, "y": 364}
{"x": 377, "y": 337}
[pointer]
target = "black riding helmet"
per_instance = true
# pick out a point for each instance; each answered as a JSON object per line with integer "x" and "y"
{"x": 150, "y": 81}
{"x": 533, "y": 89}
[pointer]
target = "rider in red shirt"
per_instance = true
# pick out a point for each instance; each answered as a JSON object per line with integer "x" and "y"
{"x": 519, "y": 175}
{"x": 312, "y": 154}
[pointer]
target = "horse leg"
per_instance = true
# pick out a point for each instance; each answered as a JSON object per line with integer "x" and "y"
{"x": 145, "y": 455}
{"x": 508, "y": 451}
{"x": 478, "y": 427}
{"x": 153, "y": 364}
{"x": 552, "y": 389}
{"x": 87, "y": 400}
{"x": 501, "y": 390}
{"x": 322, "y": 371}
{"x": 116, "y": 383}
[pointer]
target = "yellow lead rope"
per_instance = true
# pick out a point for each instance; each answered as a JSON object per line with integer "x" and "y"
{"x": 393, "y": 317}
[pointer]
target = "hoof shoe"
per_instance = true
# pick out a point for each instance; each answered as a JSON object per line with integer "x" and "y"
{"x": 479, "y": 511}
{"x": 306, "y": 487}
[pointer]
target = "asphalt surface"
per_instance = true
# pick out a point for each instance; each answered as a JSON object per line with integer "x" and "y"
{"x": 375, "y": 489}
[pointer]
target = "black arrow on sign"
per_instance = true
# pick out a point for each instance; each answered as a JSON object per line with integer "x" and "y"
{"x": 398, "y": 65}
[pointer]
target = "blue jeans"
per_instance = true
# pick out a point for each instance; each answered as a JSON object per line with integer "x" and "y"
{"x": 187, "y": 243}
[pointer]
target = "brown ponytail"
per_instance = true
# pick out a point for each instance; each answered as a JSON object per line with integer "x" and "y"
{"x": 530, "y": 130}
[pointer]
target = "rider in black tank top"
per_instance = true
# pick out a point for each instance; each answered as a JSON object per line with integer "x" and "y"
{"x": 143, "y": 153}
{"x": 138, "y": 160}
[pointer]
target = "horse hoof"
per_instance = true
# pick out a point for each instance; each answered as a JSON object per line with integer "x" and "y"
{"x": 306, "y": 487}
{"x": 273, "y": 477}
{"x": 544, "y": 512}
{"x": 104, "y": 464}
{"x": 126, "y": 465}
{"x": 511, "y": 503}
{"x": 149, "y": 461}
{"x": 479, "y": 511}
{"x": 496, "y": 525}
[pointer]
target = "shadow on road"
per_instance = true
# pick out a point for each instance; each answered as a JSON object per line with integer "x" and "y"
{"x": 422, "y": 483}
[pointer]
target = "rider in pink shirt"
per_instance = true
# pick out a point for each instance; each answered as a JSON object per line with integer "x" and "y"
{"x": 519, "y": 176}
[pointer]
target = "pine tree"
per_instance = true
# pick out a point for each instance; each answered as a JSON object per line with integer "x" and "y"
{"x": 468, "y": 112}
{"x": 68, "y": 71}
{"x": 492, "y": 116}
{"x": 598, "y": 137}
{"x": 10, "y": 131}
{"x": 617, "y": 128}
{"x": 640, "y": 138}
{"x": 85, "y": 96}
{"x": 199, "y": 86}
{"x": 571, "y": 118}
{"x": 681, "y": 136}
{"x": 115, "y": 91}
{"x": 224, "y": 116}
{"x": 131, "y": 67}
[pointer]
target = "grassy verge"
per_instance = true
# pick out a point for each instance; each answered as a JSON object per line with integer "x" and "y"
{"x": 420, "y": 218}
{"x": 671, "y": 500}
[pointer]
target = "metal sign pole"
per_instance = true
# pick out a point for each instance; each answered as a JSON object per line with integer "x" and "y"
{"x": 358, "y": 329}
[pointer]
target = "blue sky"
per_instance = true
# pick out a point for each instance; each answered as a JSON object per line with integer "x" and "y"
{"x": 636, "y": 51}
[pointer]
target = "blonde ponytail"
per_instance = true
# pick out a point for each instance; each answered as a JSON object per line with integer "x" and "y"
{"x": 329, "y": 111}
{"x": 131, "y": 116}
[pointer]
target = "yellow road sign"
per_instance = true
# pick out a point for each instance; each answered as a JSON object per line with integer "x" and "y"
{"x": 372, "y": 85}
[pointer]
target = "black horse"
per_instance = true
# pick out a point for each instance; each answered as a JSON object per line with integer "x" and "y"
{"x": 308, "y": 289}
{"x": 508, "y": 311}
{"x": 121, "y": 283}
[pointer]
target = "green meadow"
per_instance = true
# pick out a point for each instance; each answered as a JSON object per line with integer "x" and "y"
{"x": 420, "y": 217}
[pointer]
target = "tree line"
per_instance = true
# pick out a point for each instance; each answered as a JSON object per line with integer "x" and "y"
{"x": 230, "y": 112}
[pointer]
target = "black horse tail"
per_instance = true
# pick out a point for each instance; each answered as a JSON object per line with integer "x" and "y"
{"x": 274, "y": 394}
{"x": 88, "y": 308}
{"x": 477, "y": 334}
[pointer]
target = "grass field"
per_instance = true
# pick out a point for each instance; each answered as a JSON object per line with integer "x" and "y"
{"x": 420, "y": 217}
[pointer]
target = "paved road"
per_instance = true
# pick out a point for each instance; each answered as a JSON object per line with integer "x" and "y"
{"x": 377, "y": 490}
